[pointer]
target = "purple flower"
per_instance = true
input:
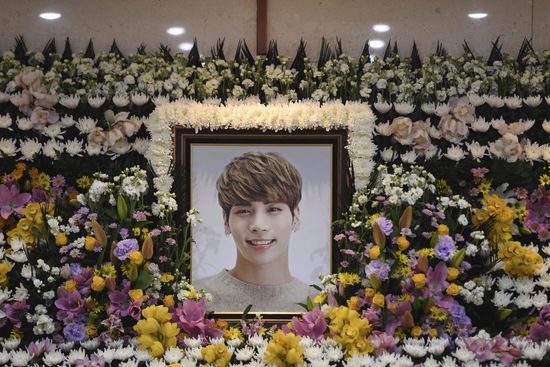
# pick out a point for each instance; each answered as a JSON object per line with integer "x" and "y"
{"x": 379, "y": 269}
{"x": 445, "y": 248}
{"x": 83, "y": 281}
{"x": 124, "y": 248}
{"x": 120, "y": 301}
{"x": 58, "y": 181}
{"x": 383, "y": 342}
{"x": 312, "y": 324}
{"x": 385, "y": 225}
{"x": 15, "y": 312}
{"x": 39, "y": 347}
{"x": 124, "y": 233}
{"x": 70, "y": 304}
{"x": 141, "y": 216}
{"x": 339, "y": 237}
{"x": 75, "y": 332}
{"x": 11, "y": 200}
{"x": 170, "y": 241}
{"x": 540, "y": 330}
{"x": 190, "y": 318}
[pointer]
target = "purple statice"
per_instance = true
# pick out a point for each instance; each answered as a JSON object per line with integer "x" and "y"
{"x": 166, "y": 228}
{"x": 155, "y": 232}
{"x": 344, "y": 264}
{"x": 11, "y": 200}
{"x": 141, "y": 216}
{"x": 445, "y": 248}
{"x": 427, "y": 212}
{"x": 58, "y": 181}
{"x": 379, "y": 269}
{"x": 170, "y": 241}
{"x": 124, "y": 233}
{"x": 479, "y": 173}
{"x": 385, "y": 225}
{"x": 74, "y": 332}
{"x": 339, "y": 237}
{"x": 352, "y": 237}
{"x": 163, "y": 259}
{"x": 113, "y": 226}
{"x": 538, "y": 213}
{"x": 124, "y": 248}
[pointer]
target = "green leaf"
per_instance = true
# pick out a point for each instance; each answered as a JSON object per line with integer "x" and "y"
{"x": 144, "y": 280}
{"x": 418, "y": 304}
{"x": 503, "y": 313}
{"x": 121, "y": 207}
{"x": 458, "y": 258}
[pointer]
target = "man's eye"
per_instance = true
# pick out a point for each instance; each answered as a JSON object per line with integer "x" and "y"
{"x": 275, "y": 210}
{"x": 242, "y": 211}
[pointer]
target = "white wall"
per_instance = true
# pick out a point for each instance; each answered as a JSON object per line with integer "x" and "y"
{"x": 134, "y": 21}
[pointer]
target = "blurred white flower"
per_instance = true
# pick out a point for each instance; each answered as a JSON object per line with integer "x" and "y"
{"x": 52, "y": 149}
{"x": 73, "y": 147}
{"x": 409, "y": 157}
{"x": 139, "y": 99}
{"x": 29, "y": 148}
{"x": 5, "y": 121}
{"x": 7, "y": 147}
{"x": 121, "y": 100}
{"x": 532, "y": 150}
{"x": 546, "y": 126}
{"x": 24, "y": 123}
{"x": 480, "y": 125}
{"x": 384, "y": 129}
{"x": 442, "y": 109}
{"x": 513, "y": 102}
{"x": 382, "y": 107}
{"x": 476, "y": 100}
{"x": 387, "y": 154}
{"x": 428, "y": 108}
{"x": 455, "y": 153}
{"x": 67, "y": 121}
{"x": 494, "y": 101}
{"x": 70, "y": 102}
{"x": 404, "y": 108}
{"x": 86, "y": 124}
{"x": 96, "y": 102}
{"x": 533, "y": 101}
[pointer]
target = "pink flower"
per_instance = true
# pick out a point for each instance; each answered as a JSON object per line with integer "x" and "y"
{"x": 383, "y": 342}
{"x": 312, "y": 324}
{"x": 41, "y": 117}
{"x": 190, "y": 318}
{"x": 11, "y": 200}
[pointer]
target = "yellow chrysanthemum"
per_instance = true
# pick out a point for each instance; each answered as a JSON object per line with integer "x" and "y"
{"x": 438, "y": 313}
{"x": 216, "y": 354}
{"x": 485, "y": 186}
{"x": 544, "y": 180}
{"x": 84, "y": 182}
{"x": 348, "y": 279}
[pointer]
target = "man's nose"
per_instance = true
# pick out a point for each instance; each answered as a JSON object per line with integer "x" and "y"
{"x": 259, "y": 223}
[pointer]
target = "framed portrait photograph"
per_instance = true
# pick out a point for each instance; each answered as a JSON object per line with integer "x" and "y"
{"x": 267, "y": 200}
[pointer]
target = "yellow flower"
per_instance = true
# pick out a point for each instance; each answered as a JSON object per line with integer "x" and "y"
{"x": 544, "y": 180}
{"x": 70, "y": 285}
{"x": 216, "y": 354}
{"x": 232, "y": 333}
{"x": 168, "y": 300}
{"x": 137, "y": 231}
{"x": 369, "y": 292}
{"x": 485, "y": 186}
{"x": 33, "y": 172}
{"x": 5, "y": 268}
{"x": 452, "y": 273}
{"x": 348, "y": 279}
{"x": 98, "y": 283}
{"x": 89, "y": 243}
{"x": 402, "y": 243}
{"x": 320, "y": 298}
{"x": 284, "y": 350}
{"x": 61, "y": 239}
{"x": 155, "y": 333}
{"x": 166, "y": 277}
{"x": 84, "y": 182}
{"x": 453, "y": 290}
{"x": 374, "y": 252}
{"x": 419, "y": 280}
{"x": 373, "y": 217}
{"x": 353, "y": 303}
{"x": 416, "y": 332}
{"x": 192, "y": 293}
{"x": 378, "y": 299}
{"x": 91, "y": 330}
{"x": 438, "y": 313}
{"x": 136, "y": 257}
{"x": 433, "y": 333}
{"x": 442, "y": 230}
{"x": 137, "y": 295}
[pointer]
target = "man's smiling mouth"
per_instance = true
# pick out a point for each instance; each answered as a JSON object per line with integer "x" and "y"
{"x": 260, "y": 244}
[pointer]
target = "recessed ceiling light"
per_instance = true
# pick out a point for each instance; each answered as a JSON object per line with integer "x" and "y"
{"x": 477, "y": 15}
{"x": 175, "y": 31}
{"x": 376, "y": 43}
{"x": 185, "y": 46}
{"x": 50, "y": 16}
{"x": 381, "y": 28}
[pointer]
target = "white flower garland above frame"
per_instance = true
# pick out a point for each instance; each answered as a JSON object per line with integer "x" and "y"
{"x": 250, "y": 114}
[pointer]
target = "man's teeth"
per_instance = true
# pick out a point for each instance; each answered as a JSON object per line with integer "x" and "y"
{"x": 261, "y": 243}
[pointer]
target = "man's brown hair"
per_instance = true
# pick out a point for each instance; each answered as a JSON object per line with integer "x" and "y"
{"x": 256, "y": 176}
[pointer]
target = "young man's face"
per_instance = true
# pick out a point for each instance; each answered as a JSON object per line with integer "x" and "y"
{"x": 261, "y": 230}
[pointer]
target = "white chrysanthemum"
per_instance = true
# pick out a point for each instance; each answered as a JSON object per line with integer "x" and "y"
{"x": 428, "y": 108}
{"x": 52, "y": 149}
{"x": 24, "y": 123}
{"x": 533, "y": 150}
{"x": 20, "y": 358}
{"x": 513, "y": 102}
{"x": 384, "y": 129}
{"x": 5, "y": 121}
{"x": 494, "y": 101}
{"x": 156, "y": 363}
{"x": 192, "y": 342}
{"x": 121, "y": 100}
{"x": 455, "y": 153}
{"x": 139, "y": 99}
{"x": 173, "y": 355}
{"x": 546, "y": 125}
{"x": 129, "y": 363}
{"x": 382, "y": 107}
{"x": 534, "y": 351}
{"x": 235, "y": 342}
{"x": 70, "y": 102}
{"x": 257, "y": 340}
{"x": 125, "y": 353}
{"x": 194, "y": 353}
{"x": 53, "y": 358}
{"x": 86, "y": 125}
{"x": 524, "y": 301}
{"x": 108, "y": 354}
{"x": 142, "y": 356}
{"x": 11, "y": 344}
{"x": 313, "y": 352}
{"x": 29, "y": 148}
{"x": 524, "y": 285}
{"x": 93, "y": 149}
{"x": 404, "y": 108}
{"x": 7, "y": 147}
{"x": 533, "y": 101}
{"x": 73, "y": 147}
{"x": 66, "y": 121}
{"x": 75, "y": 355}
{"x": 436, "y": 346}
{"x": 409, "y": 157}
{"x": 244, "y": 354}
{"x": 415, "y": 347}
{"x": 480, "y": 125}
{"x": 540, "y": 299}
{"x": 96, "y": 102}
